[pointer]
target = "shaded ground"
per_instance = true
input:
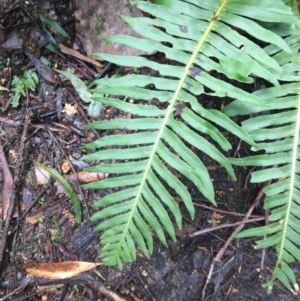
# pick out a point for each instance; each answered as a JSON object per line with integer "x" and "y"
{"x": 43, "y": 227}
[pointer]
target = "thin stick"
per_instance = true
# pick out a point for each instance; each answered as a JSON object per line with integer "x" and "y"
{"x": 223, "y": 211}
{"x": 226, "y": 226}
{"x": 15, "y": 188}
{"x": 7, "y": 182}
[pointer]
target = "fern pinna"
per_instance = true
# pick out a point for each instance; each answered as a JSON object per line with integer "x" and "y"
{"x": 276, "y": 129}
{"x": 199, "y": 37}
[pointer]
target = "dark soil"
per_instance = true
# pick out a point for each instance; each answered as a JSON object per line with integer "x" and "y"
{"x": 43, "y": 226}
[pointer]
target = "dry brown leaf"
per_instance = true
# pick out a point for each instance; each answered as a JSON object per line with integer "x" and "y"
{"x": 49, "y": 288}
{"x": 54, "y": 209}
{"x": 83, "y": 176}
{"x": 217, "y": 215}
{"x": 233, "y": 290}
{"x": 45, "y": 71}
{"x": 61, "y": 270}
{"x": 65, "y": 167}
{"x": 42, "y": 177}
{"x": 87, "y": 177}
{"x": 69, "y": 109}
{"x": 35, "y": 218}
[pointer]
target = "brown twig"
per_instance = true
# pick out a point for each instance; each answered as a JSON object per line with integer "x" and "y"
{"x": 80, "y": 56}
{"x": 24, "y": 283}
{"x": 248, "y": 176}
{"x": 222, "y": 211}
{"x": 226, "y": 226}
{"x": 15, "y": 187}
{"x": 7, "y": 182}
{"x": 82, "y": 280}
{"x": 9, "y": 121}
{"x": 236, "y": 231}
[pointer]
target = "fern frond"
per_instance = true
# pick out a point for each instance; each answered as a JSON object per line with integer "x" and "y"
{"x": 153, "y": 149}
{"x": 276, "y": 130}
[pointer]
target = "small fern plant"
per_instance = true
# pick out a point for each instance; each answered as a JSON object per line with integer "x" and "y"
{"x": 151, "y": 151}
{"x": 29, "y": 80}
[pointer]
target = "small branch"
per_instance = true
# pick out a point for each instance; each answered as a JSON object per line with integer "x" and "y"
{"x": 7, "y": 182}
{"x": 15, "y": 187}
{"x": 82, "y": 280}
{"x": 226, "y": 226}
{"x": 222, "y": 211}
{"x": 80, "y": 56}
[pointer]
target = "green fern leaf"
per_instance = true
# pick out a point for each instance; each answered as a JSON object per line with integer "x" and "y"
{"x": 276, "y": 130}
{"x": 152, "y": 150}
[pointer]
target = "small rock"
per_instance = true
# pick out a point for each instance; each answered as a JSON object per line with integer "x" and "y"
{"x": 175, "y": 248}
{"x": 159, "y": 263}
{"x": 201, "y": 260}
{"x": 98, "y": 20}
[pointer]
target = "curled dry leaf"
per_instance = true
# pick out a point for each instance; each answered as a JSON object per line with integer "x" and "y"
{"x": 61, "y": 270}
{"x": 65, "y": 167}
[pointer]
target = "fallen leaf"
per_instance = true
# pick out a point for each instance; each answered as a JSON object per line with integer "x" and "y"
{"x": 35, "y": 218}
{"x": 52, "y": 210}
{"x": 65, "y": 167}
{"x": 217, "y": 215}
{"x": 12, "y": 40}
{"x": 83, "y": 177}
{"x": 3, "y": 88}
{"x": 69, "y": 109}
{"x": 61, "y": 270}
{"x": 87, "y": 177}
{"x": 233, "y": 290}
{"x": 45, "y": 71}
{"x": 42, "y": 176}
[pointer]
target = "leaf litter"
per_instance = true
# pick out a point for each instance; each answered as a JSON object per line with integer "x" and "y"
{"x": 61, "y": 270}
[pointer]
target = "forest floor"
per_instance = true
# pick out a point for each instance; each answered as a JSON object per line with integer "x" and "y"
{"x": 47, "y": 127}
